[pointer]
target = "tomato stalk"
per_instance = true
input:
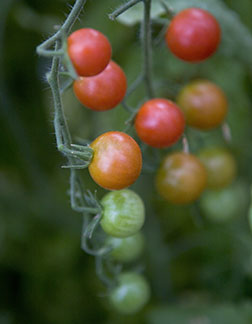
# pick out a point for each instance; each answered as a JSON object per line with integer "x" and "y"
{"x": 147, "y": 49}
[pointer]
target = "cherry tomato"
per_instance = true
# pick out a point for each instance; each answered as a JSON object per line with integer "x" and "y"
{"x": 126, "y": 249}
{"x": 89, "y": 50}
{"x": 224, "y": 204}
{"x": 181, "y": 178}
{"x": 103, "y": 91}
{"x": 220, "y": 166}
{"x": 159, "y": 123}
{"x": 193, "y": 35}
{"x": 123, "y": 213}
{"x": 131, "y": 293}
{"x": 204, "y": 104}
{"x": 117, "y": 160}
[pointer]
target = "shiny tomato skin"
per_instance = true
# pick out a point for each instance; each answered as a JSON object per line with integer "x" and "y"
{"x": 220, "y": 165}
{"x": 181, "y": 178}
{"x": 159, "y": 123}
{"x": 103, "y": 91}
{"x": 204, "y": 104}
{"x": 89, "y": 50}
{"x": 193, "y": 35}
{"x": 117, "y": 160}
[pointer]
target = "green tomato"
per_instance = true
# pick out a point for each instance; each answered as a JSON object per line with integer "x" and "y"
{"x": 126, "y": 249}
{"x": 123, "y": 213}
{"x": 225, "y": 204}
{"x": 131, "y": 293}
{"x": 220, "y": 166}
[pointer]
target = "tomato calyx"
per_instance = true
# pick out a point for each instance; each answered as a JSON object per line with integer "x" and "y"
{"x": 81, "y": 155}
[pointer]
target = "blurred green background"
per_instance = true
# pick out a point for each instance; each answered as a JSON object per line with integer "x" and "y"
{"x": 199, "y": 266}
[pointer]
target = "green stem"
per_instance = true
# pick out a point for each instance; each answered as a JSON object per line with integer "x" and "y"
{"x": 147, "y": 49}
{"x": 64, "y": 30}
{"x": 124, "y": 7}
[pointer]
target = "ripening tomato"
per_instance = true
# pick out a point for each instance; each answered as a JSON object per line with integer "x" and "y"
{"x": 117, "y": 160}
{"x": 220, "y": 165}
{"x": 193, "y": 35}
{"x": 123, "y": 213}
{"x": 203, "y": 103}
{"x": 126, "y": 249}
{"x": 89, "y": 50}
{"x": 131, "y": 293}
{"x": 159, "y": 123}
{"x": 103, "y": 91}
{"x": 181, "y": 178}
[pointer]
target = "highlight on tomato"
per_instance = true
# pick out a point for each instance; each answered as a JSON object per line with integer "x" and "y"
{"x": 103, "y": 91}
{"x": 193, "y": 35}
{"x": 123, "y": 213}
{"x": 89, "y": 51}
{"x": 117, "y": 160}
{"x": 204, "y": 104}
{"x": 159, "y": 123}
{"x": 181, "y": 178}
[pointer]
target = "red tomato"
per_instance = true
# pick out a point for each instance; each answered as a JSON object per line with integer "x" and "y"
{"x": 89, "y": 50}
{"x": 203, "y": 103}
{"x": 117, "y": 160}
{"x": 181, "y": 178}
{"x": 193, "y": 35}
{"x": 103, "y": 91}
{"x": 159, "y": 123}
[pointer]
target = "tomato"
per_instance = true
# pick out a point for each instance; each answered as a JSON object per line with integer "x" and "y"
{"x": 204, "y": 104}
{"x": 220, "y": 166}
{"x": 89, "y": 50}
{"x": 123, "y": 213}
{"x": 224, "y": 204}
{"x": 131, "y": 293}
{"x": 126, "y": 249}
{"x": 117, "y": 160}
{"x": 193, "y": 35}
{"x": 103, "y": 91}
{"x": 181, "y": 178}
{"x": 159, "y": 123}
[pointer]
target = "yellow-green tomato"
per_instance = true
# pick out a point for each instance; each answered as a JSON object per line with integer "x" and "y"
{"x": 131, "y": 293}
{"x": 220, "y": 165}
{"x": 181, "y": 178}
{"x": 123, "y": 213}
{"x": 126, "y": 249}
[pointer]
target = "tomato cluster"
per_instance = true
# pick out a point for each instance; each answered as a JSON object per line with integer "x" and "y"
{"x": 193, "y": 35}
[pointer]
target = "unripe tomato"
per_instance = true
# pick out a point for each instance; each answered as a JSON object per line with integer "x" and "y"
{"x": 224, "y": 204}
{"x": 159, "y": 123}
{"x": 123, "y": 213}
{"x": 126, "y": 249}
{"x": 117, "y": 160}
{"x": 203, "y": 103}
{"x": 103, "y": 91}
{"x": 220, "y": 166}
{"x": 89, "y": 50}
{"x": 131, "y": 294}
{"x": 181, "y": 178}
{"x": 193, "y": 35}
